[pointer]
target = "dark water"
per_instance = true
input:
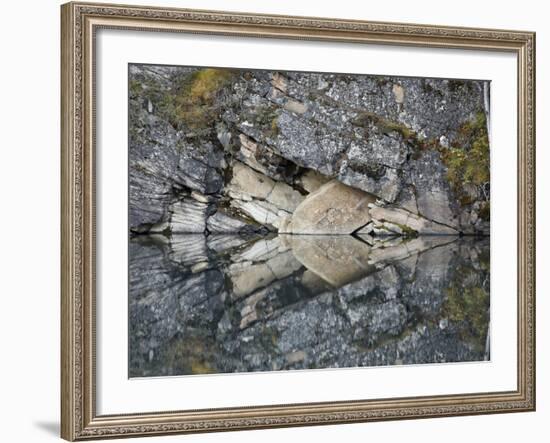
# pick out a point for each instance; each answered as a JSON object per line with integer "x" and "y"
{"x": 220, "y": 304}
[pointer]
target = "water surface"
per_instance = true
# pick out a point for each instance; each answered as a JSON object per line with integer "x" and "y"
{"x": 223, "y": 303}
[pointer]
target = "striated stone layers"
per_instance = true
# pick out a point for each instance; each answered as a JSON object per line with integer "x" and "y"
{"x": 222, "y": 151}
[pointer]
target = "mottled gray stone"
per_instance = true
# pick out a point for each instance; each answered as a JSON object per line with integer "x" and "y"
{"x": 196, "y": 169}
{"x": 433, "y": 195}
{"x": 153, "y": 155}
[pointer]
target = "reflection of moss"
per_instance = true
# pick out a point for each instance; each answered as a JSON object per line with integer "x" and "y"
{"x": 468, "y": 306}
{"x": 269, "y": 338}
{"x": 485, "y": 259}
{"x": 455, "y": 85}
{"x": 199, "y": 367}
{"x": 191, "y": 355}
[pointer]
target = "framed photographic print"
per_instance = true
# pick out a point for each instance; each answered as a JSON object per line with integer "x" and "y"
{"x": 280, "y": 221}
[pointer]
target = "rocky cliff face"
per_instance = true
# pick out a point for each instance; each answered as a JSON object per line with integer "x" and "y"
{"x": 228, "y": 151}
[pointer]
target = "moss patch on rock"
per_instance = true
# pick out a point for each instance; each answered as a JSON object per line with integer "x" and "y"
{"x": 190, "y": 104}
{"x": 407, "y": 231}
{"x": 266, "y": 117}
{"x": 193, "y": 104}
{"x": 384, "y": 125}
{"x": 467, "y": 160}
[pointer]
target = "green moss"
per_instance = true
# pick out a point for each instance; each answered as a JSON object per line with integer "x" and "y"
{"x": 135, "y": 88}
{"x": 465, "y": 200}
{"x": 384, "y": 125}
{"x": 455, "y": 85}
{"x": 193, "y": 106}
{"x": 269, "y": 337}
{"x": 191, "y": 103}
{"x": 467, "y": 161}
{"x": 147, "y": 89}
{"x": 404, "y": 131}
{"x": 485, "y": 211}
{"x": 275, "y": 127}
{"x": 407, "y": 231}
{"x": 266, "y": 117}
{"x": 206, "y": 82}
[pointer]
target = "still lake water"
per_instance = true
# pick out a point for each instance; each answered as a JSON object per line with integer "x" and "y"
{"x": 225, "y": 303}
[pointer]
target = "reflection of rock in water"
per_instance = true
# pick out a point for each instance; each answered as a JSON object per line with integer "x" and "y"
{"x": 226, "y": 303}
{"x": 336, "y": 259}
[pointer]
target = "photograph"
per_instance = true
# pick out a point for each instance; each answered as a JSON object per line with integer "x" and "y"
{"x": 286, "y": 220}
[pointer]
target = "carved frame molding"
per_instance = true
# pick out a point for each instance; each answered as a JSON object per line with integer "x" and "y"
{"x": 79, "y": 23}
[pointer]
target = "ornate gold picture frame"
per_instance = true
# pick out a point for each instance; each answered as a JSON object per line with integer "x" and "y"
{"x": 80, "y": 22}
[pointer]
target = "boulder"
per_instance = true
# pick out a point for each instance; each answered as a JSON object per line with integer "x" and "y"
{"x": 247, "y": 182}
{"x": 334, "y": 208}
{"x": 311, "y": 180}
{"x": 284, "y": 197}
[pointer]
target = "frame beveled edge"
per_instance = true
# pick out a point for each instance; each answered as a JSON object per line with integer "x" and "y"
{"x": 78, "y": 417}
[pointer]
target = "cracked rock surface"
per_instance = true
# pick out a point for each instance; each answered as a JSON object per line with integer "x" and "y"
{"x": 248, "y": 149}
